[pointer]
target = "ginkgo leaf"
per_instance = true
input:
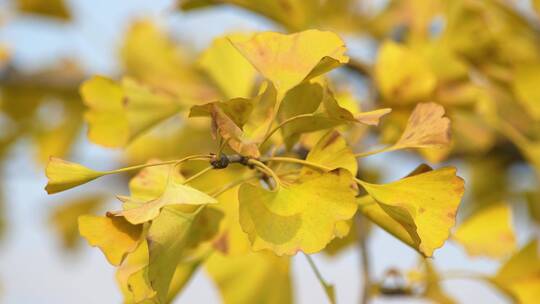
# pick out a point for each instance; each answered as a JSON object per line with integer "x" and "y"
{"x": 133, "y": 263}
{"x": 335, "y": 111}
{"x": 402, "y": 75}
{"x": 64, "y": 218}
{"x": 151, "y": 182}
{"x": 63, "y": 175}
{"x": 118, "y": 113}
{"x": 225, "y": 126}
{"x": 427, "y": 127}
{"x": 168, "y": 237}
{"x": 495, "y": 240}
{"x": 237, "y": 109}
{"x": 520, "y": 275}
{"x": 306, "y": 99}
{"x": 263, "y": 111}
{"x": 175, "y": 193}
{"x": 113, "y": 235}
{"x": 299, "y": 217}
{"x": 133, "y": 276}
{"x": 287, "y": 60}
{"x": 424, "y": 204}
{"x": 228, "y": 68}
{"x": 333, "y": 152}
{"x": 256, "y": 277}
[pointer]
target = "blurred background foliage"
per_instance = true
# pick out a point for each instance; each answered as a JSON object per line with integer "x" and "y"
{"x": 480, "y": 59}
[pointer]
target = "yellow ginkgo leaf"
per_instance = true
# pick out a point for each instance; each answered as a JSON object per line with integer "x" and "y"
{"x": 256, "y": 277}
{"x": 113, "y": 235}
{"x": 299, "y": 217}
{"x": 132, "y": 275}
{"x": 63, "y": 175}
{"x": 168, "y": 237}
{"x": 237, "y": 109}
{"x": 374, "y": 212}
{"x": 64, "y": 218}
{"x": 228, "y": 68}
{"x": 287, "y": 60}
{"x": 520, "y": 275}
{"x": 332, "y": 152}
{"x": 424, "y": 204}
{"x": 402, "y": 75}
{"x": 302, "y": 111}
{"x": 151, "y": 182}
{"x": 488, "y": 232}
{"x": 175, "y": 193}
{"x": 133, "y": 263}
{"x": 225, "y": 126}
{"x": 427, "y": 127}
{"x": 118, "y": 113}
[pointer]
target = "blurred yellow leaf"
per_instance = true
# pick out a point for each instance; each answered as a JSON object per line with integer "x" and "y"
{"x": 234, "y": 75}
{"x": 488, "y": 232}
{"x": 148, "y": 54}
{"x": 64, "y": 218}
{"x": 120, "y": 112}
{"x": 113, "y": 235}
{"x": 256, "y": 277}
{"x": 49, "y": 8}
{"x": 525, "y": 84}
{"x": 520, "y": 275}
{"x": 299, "y": 217}
{"x": 58, "y": 137}
{"x": 5, "y": 55}
{"x": 402, "y": 75}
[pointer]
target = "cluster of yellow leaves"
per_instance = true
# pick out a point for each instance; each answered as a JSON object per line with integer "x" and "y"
{"x": 482, "y": 67}
{"x": 151, "y": 241}
{"x": 169, "y": 225}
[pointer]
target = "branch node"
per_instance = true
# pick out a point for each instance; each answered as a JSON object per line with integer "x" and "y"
{"x": 220, "y": 162}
